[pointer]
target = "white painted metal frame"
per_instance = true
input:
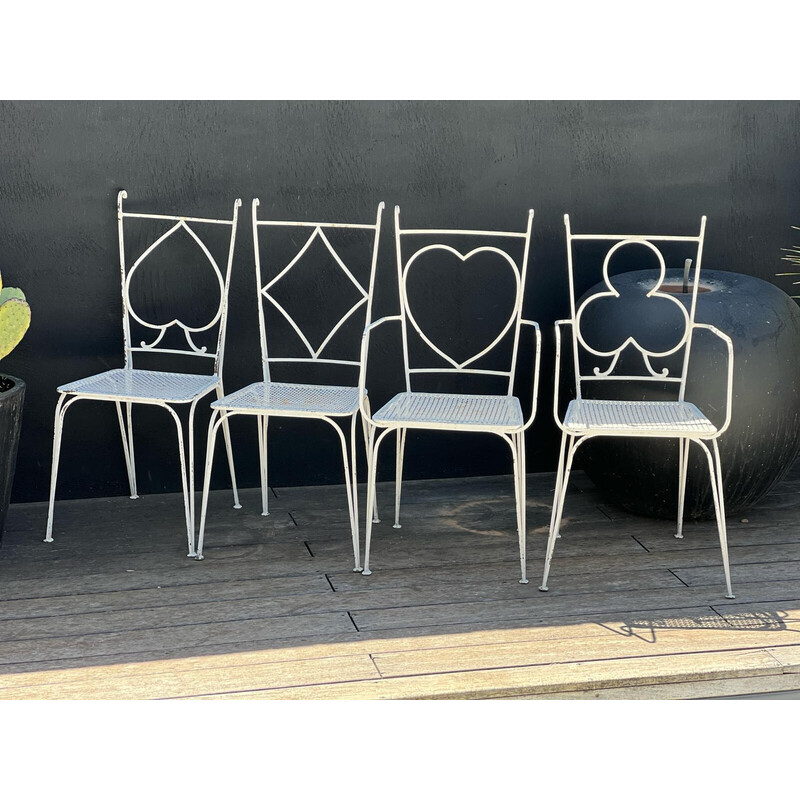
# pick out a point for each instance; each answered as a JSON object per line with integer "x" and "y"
{"x": 149, "y": 387}
{"x": 664, "y": 419}
{"x": 497, "y": 414}
{"x": 268, "y": 398}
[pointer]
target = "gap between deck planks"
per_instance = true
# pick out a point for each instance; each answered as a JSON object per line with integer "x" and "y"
{"x": 116, "y": 610}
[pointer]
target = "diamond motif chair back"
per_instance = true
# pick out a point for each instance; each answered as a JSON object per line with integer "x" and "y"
{"x": 642, "y": 334}
{"x": 321, "y": 312}
{"x": 483, "y": 251}
{"x": 172, "y": 334}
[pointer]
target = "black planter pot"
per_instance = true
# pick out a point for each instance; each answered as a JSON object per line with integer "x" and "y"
{"x": 11, "y": 399}
{"x": 763, "y": 440}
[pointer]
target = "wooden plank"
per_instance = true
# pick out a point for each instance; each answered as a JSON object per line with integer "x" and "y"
{"x": 203, "y": 655}
{"x": 705, "y": 535}
{"x": 134, "y": 610}
{"x": 287, "y": 555}
{"x": 574, "y": 566}
{"x": 160, "y": 617}
{"x": 408, "y": 549}
{"x": 104, "y": 538}
{"x": 224, "y": 678}
{"x": 638, "y": 604}
{"x": 127, "y": 643}
{"x": 528, "y": 680}
{"x": 723, "y": 688}
{"x": 500, "y": 487}
{"x": 162, "y": 597}
{"x": 788, "y": 658}
{"x": 743, "y": 573}
{"x": 182, "y": 573}
{"x": 666, "y": 641}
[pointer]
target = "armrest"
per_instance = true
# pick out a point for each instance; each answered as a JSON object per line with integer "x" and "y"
{"x": 729, "y": 395}
{"x": 362, "y": 379}
{"x": 557, "y": 375}
{"x": 536, "y": 361}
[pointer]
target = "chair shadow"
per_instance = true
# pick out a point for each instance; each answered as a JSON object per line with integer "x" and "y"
{"x": 645, "y": 628}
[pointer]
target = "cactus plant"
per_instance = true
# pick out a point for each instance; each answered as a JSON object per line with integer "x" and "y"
{"x": 15, "y": 317}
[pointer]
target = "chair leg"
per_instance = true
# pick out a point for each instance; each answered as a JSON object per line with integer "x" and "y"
{"x": 58, "y": 426}
{"x": 367, "y": 448}
{"x": 354, "y": 490}
{"x": 519, "y": 493}
{"x": 683, "y": 459}
{"x": 559, "y": 475}
{"x": 715, "y": 472}
{"x": 398, "y": 474}
{"x": 263, "y": 422}
{"x": 192, "y": 409}
{"x": 213, "y": 427}
{"x": 562, "y": 482}
{"x": 127, "y": 446}
{"x": 351, "y": 496}
{"x": 227, "y": 433}
{"x": 372, "y": 465}
{"x": 187, "y": 501}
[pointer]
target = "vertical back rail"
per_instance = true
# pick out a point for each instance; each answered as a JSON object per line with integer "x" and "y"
{"x": 223, "y": 323}
{"x": 520, "y": 301}
{"x": 402, "y": 298}
{"x": 126, "y": 328}
{"x": 695, "y": 289}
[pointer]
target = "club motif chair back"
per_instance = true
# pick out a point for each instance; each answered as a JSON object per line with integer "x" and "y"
{"x": 645, "y": 341}
{"x": 500, "y": 414}
{"x": 331, "y": 403}
{"x": 145, "y": 336}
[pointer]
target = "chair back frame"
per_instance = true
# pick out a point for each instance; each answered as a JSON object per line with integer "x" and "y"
{"x": 317, "y": 231}
{"x": 220, "y": 317}
{"x": 578, "y": 341}
{"x": 519, "y": 272}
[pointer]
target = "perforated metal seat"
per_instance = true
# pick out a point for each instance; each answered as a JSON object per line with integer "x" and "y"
{"x": 443, "y": 411}
{"x": 632, "y": 418}
{"x": 291, "y": 399}
{"x": 142, "y": 385}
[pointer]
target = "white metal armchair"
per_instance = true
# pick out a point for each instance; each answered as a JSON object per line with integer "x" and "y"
{"x": 679, "y": 419}
{"x": 268, "y": 398}
{"x": 150, "y": 387}
{"x": 497, "y": 414}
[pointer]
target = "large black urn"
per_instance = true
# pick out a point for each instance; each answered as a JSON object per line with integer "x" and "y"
{"x": 12, "y": 393}
{"x": 763, "y": 440}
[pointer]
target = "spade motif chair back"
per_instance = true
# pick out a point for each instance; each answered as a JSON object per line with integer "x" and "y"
{"x": 196, "y": 228}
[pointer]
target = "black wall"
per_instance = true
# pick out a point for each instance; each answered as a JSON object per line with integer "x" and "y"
{"x": 614, "y": 166}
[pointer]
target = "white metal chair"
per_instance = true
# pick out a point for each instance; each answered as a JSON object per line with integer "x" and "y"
{"x": 150, "y": 387}
{"x": 268, "y": 398}
{"x": 586, "y": 419}
{"x": 497, "y": 414}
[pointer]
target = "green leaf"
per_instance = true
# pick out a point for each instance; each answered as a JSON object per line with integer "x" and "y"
{"x": 15, "y": 317}
{"x": 9, "y": 292}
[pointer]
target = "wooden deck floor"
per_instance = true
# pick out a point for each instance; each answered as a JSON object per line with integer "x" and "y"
{"x": 115, "y": 609}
